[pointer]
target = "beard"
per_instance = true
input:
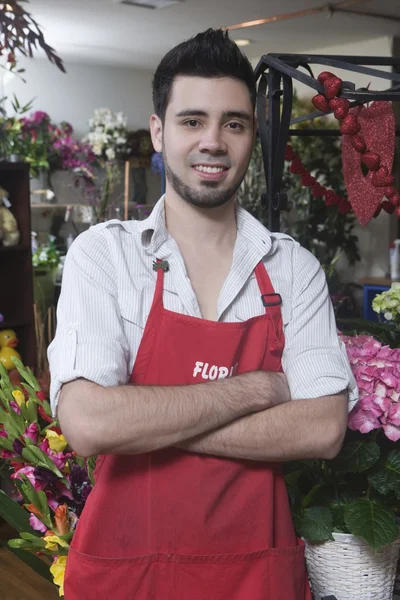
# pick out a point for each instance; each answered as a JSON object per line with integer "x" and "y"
{"x": 207, "y": 197}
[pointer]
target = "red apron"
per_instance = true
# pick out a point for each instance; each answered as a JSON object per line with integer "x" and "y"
{"x": 174, "y": 525}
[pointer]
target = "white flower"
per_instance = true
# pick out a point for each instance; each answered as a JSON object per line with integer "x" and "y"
{"x": 110, "y": 153}
{"x": 121, "y": 141}
{"x": 388, "y": 316}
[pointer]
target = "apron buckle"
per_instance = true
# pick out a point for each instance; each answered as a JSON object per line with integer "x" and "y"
{"x": 161, "y": 264}
{"x": 276, "y": 299}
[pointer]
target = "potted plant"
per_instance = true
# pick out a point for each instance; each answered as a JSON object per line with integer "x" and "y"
{"x": 347, "y": 508}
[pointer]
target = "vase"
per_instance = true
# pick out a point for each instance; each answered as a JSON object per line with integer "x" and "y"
{"x": 41, "y": 188}
{"x": 43, "y": 288}
{"x": 348, "y": 569}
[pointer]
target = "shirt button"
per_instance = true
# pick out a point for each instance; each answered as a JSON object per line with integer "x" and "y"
{"x": 70, "y": 331}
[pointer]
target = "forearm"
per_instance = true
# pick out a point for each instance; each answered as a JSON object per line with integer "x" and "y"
{"x": 135, "y": 419}
{"x": 301, "y": 429}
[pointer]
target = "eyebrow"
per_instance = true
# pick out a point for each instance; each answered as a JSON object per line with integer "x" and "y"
{"x": 226, "y": 114}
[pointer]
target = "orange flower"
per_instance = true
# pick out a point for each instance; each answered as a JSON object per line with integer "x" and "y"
{"x": 61, "y": 519}
{"x": 32, "y": 508}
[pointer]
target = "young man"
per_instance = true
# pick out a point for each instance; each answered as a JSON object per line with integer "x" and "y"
{"x": 195, "y": 352}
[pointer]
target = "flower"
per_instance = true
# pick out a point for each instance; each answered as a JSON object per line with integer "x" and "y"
{"x": 19, "y": 397}
{"x": 36, "y": 524}
{"x": 61, "y": 519}
{"x": 108, "y": 134}
{"x": 376, "y": 369}
{"x": 32, "y": 432}
{"x": 388, "y": 303}
{"x": 49, "y": 481}
{"x": 46, "y": 257}
{"x": 57, "y": 442}
{"x": 57, "y": 569}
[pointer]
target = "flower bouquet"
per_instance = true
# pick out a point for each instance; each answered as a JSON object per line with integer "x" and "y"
{"x": 108, "y": 138}
{"x": 357, "y": 492}
{"x": 49, "y": 482}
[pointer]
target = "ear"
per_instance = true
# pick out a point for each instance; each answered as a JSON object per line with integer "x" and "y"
{"x": 156, "y": 131}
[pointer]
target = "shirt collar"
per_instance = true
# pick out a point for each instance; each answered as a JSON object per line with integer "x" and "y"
{"x": 154, "y": 233}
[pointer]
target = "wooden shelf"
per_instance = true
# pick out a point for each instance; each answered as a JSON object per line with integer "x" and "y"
{"x": 19, "y": 248}
{"x": 14, "y": 324}
{"x": 16, "y": 271}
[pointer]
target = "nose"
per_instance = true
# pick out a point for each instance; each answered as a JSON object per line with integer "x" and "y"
{"x": 212, "y": 141}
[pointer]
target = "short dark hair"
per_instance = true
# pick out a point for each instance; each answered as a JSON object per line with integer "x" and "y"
{"x": 208, "y": 54}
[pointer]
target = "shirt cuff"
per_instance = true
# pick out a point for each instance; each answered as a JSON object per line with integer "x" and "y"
{"x": 321, "y": 372}
{"x": 94, "y": 360}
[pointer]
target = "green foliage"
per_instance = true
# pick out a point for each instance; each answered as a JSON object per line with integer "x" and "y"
{"x": 358, "y": 492}
{"x": 319, "y": 228}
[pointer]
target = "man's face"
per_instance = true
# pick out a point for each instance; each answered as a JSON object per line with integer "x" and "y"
{"x": 206, "y": 140}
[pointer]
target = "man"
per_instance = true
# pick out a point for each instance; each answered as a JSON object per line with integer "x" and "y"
{"x": 172, "y": 334}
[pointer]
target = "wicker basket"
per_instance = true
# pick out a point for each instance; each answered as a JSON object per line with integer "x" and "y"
{"x": 348, "y": 569}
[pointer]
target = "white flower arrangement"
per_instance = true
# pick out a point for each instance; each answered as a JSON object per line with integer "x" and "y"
{"x": 108, "y": 134}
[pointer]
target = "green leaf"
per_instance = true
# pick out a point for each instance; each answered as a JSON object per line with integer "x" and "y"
{"x": 372, "y": 522}
{"x": 387, "y": 478}
{"x": 33, "y": 539}
{"x": 38, "y": 458}
{"x": 14, "y": 514}
{"x": 356, "y": 457}
{"x": 31, "y": 408}
{"x": 315, "y": 524}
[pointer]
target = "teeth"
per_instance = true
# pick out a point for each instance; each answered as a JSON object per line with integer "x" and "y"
{"x": 209, "y": 169}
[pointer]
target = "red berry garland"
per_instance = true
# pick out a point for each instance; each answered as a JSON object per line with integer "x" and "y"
{"x": 350, "y": 126}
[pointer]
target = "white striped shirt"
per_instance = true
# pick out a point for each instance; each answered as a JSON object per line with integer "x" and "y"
{"x": 108, "y": 287}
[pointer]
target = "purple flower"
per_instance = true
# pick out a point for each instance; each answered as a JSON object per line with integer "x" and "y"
{"x": 15, "y": 407}
{"x": 32, "y": 432}
{"x": 80, "y": 484}
{"x": 39, "y": 116}
{"x": 18, "y": 446}
{"x": 157, "y": 163}
{"x": 44, "y": 477}
{"x": 36, "y": 524}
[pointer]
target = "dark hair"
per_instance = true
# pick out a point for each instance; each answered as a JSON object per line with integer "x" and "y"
{"x": 208, "y": 54}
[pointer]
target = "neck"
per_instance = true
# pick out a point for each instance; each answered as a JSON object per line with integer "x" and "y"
{"x": 206, "y": 227}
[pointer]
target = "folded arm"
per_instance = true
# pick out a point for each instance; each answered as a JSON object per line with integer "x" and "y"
{"x": 301, "y": 429}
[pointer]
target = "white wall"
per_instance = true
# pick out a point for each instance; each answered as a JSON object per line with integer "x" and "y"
{"x": 374, "y": 239}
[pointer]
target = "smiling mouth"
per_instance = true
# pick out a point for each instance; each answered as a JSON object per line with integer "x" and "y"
{"x": 209, "y": 169}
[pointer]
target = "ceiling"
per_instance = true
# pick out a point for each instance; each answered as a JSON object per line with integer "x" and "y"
{"x": 103, "y": 32}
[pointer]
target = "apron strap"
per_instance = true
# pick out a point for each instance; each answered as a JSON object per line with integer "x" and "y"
{"x": 158, "y": 293}
{"x": 270, "y": 299}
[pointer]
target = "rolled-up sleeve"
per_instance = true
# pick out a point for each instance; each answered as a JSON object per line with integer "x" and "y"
{"x": 89, "y": 341}
{"x": 314, "y": 359}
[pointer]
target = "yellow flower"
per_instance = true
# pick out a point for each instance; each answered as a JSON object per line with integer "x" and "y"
{"x": 52, "y": 541}
{"x": 18, "y": 397}
{"x": 58, "y": 443}
{"x": 57, "y": 569}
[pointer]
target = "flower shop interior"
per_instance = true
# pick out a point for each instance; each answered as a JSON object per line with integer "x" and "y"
{"x": 75, "y": 150}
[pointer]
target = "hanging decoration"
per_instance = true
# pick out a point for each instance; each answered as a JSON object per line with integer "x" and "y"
{"x": 368, "y": 137}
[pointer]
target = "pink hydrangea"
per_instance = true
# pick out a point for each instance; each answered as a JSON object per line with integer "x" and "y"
{"x": 376, "y": 369}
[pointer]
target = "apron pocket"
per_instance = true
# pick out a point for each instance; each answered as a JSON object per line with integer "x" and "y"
{"x": 273, "y": 574}
{"x": 288, "y": 576}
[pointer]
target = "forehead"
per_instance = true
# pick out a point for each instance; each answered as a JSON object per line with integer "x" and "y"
{"x": 212, "y": 95}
